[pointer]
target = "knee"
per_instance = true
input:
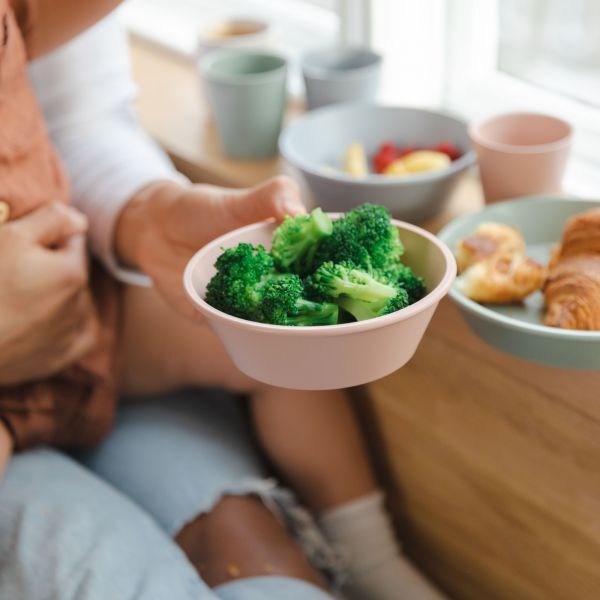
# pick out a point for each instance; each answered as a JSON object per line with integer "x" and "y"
{"x": 50, "y": 497}
{"x": 50, "y": 502}
{"x": 241, "y": 538}
{"x": 64, "y": 533}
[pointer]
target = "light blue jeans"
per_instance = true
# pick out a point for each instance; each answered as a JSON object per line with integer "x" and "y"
{"x": 101, "y": 527}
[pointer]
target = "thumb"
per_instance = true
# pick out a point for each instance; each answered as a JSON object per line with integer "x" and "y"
{"x": 275, "y": 198}
{"x": 52, "y": 224}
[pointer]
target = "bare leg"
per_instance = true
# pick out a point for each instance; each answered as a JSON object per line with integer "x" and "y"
{"x": 313, "y": 437}
{"x": 241, "y": 538}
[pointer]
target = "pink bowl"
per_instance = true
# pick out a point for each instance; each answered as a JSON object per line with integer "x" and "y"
{"x": 331, "y": 356}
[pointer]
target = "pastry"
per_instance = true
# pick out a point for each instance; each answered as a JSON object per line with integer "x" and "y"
{"x": 488, "y": 239}
{"x": 502, "y": 278}
{"x": 573, "y": 293}
{"x": 573, "y": 287}
{"x": 494, "y": 267}
{"x": 582, "y": 234}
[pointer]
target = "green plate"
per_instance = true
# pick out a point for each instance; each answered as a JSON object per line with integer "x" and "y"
{"x": 517, "y": 328}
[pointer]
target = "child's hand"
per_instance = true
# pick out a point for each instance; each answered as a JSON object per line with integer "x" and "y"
{"x": 165, "y": 224}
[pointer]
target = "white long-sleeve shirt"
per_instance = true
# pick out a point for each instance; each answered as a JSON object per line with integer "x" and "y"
{"x": 86, "y": 91}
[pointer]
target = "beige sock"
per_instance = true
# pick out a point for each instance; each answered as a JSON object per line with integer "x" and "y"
{"x": 362, "y": 532}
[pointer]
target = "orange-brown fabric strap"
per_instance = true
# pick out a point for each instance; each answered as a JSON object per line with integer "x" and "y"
{"x": 46, "y": 24}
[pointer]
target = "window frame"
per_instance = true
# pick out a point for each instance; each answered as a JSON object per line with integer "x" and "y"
{"x": 474, "y": 85}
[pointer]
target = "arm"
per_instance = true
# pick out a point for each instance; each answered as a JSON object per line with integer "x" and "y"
{"x": 142, "y": 212}
{"x": 86, "y": 92}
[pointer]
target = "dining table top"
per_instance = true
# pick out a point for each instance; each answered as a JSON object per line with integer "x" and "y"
{"x": 490, "y": 462}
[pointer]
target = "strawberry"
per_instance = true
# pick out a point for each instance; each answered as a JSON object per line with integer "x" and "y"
{"x": 448, "y": 148}
{"x": 386, "y": 155}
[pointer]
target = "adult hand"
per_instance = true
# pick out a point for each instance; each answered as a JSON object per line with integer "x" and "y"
{"x": 47, "y": 318}
{"x": 166, "y": 223}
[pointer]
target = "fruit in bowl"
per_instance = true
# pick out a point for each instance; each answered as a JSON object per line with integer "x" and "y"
{"x": 341, "y": 174}
{"x": 322, "y": 301}
{"x": 394, "y": 160}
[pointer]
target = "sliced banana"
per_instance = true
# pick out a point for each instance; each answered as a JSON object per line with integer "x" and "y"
{"x": 425, "y": 160}
{"x": 355, "y": 160}
{"x": 396, "y": 168}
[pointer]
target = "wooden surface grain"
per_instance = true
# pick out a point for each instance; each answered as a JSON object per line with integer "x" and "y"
{"x": 492, "y": 463}
{"x": 493, "y": 467}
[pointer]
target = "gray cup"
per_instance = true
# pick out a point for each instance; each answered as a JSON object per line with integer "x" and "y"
{"x": 340, "y": 75}
{"x": 247, "y": 92}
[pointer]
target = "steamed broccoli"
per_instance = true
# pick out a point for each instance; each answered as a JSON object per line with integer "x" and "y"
{"x": 412, "y": 283}
{"x": 355, "y": 290}
{"x": 366, "y": 238}
{"x": 295, "y": 241}
{"x": 282, "y": 303}
{"x": 240, "y": 271}
{"x": 318, "y": 272}
{"x": 362, "y": 310}
{"x": 247, "y": 286}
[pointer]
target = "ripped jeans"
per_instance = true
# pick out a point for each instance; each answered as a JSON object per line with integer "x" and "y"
{"x": 99, "y": 526}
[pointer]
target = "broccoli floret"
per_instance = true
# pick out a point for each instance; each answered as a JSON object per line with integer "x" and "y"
{"x": 282, "y": 304}
{"x": 295, "y": 241}
{"x": 313, "y": 313}
{"x": 412, "y": 283}
{"x": 240, "y": 271}
{"x": 362, "y": 310}
{"x": 247, "y": 286}
{"x": 355, "y": 290}
{"x": 366, "y": 238}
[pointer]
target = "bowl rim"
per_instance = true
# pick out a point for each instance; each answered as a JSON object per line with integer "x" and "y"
{"x": 547, "y": 147}
{"x": 207, "y": 61}
{"x": 323, "y": 73}
{"x": 466, "y": 160}
{"x": 487, "y": 314}
{"x": 430, "y": 300}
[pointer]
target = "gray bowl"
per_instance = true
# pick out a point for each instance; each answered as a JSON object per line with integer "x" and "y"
{"x": 518, "y": 328}
{"x": 315, "y": 144}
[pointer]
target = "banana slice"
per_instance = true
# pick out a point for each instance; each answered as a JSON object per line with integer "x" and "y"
{"x": 396, "y": 168}
{"x": 425, "y": 160}
{"x": 355, "y": 160}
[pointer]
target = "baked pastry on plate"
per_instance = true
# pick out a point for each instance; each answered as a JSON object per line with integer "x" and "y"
{"x": 487, "y": 240}
{"x": 502, "y": 279}
{"x": 573, "y": 287}
{"x": 494, "y": 267}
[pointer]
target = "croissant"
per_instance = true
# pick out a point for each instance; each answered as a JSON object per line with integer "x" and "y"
{"x": 573, "y": 288}
{"x": 582, "y": 234}
{"x": 488, "y": 239}
{"x": 501, "y": 279}
{"x": 573, "y": 293}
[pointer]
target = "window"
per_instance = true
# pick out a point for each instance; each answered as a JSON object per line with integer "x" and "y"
{"x": 553, "y": 44}
{"x": 472, "y": 57}
{"x": 506, "y": 55}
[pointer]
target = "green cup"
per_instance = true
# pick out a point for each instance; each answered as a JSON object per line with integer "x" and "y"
{"x": 247, "y": 92}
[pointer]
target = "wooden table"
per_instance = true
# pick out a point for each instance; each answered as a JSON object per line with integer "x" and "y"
{"x": 492, "y": 463}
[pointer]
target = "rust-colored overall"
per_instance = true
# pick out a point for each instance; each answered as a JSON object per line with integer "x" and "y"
{"x": 75, "y": 407}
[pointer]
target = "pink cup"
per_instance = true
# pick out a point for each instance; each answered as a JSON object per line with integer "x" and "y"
{"x": 521, "y": 154}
